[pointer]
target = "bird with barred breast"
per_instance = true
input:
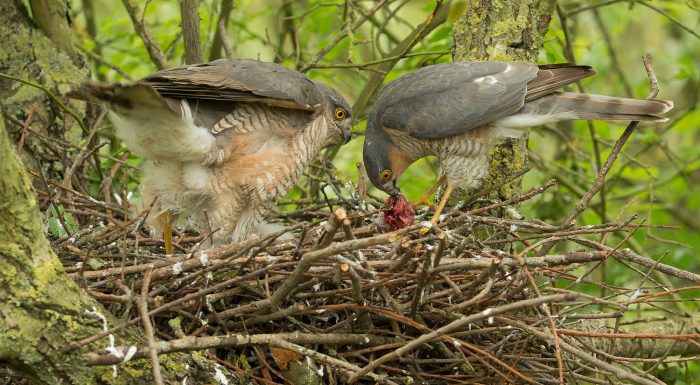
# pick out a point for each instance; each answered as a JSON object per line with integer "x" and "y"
{"x": 223, "y": 138}
{"x": 458, "y": 111}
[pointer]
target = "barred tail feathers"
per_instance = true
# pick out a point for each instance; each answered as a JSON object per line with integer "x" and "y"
{"x": 562, "y": 106}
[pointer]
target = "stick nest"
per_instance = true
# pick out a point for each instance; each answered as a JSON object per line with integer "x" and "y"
{"x": 470, "y": 301}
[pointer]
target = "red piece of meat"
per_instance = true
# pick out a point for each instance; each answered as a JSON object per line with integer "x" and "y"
{"x": 398, "y": 212}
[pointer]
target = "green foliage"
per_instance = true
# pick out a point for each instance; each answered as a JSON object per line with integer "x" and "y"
{"x": 56, "y": 228}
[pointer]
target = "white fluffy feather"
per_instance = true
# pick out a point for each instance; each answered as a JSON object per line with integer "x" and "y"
{"x": 175, "y": 136}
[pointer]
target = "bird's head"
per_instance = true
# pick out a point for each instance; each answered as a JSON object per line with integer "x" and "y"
{"x": 384, "y": 160}
{"x": 340, "y": 110}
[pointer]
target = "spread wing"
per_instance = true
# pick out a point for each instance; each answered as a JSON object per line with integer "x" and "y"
{"x": 238, "y": 80}
{"x": 448, "y": 99}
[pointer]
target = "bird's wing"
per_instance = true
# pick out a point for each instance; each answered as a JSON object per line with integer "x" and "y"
{"x": 552, "y": 77}
{"x": 239, "y": 80}
{"x": 448, "y": 99}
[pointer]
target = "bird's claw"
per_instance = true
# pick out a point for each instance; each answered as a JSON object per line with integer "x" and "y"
{"x": 426, "y": 226}
{"x": 423, "y": 200}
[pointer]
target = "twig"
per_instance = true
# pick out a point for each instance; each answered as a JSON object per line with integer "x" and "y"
{"x": 309, "y": 258}
{"x": 154, "y": 52}
{"x": 148, "y": 327}
{"x": 53, "y": 97}
{"x": 221, "y": 37}
{"x": 455, "y": 325}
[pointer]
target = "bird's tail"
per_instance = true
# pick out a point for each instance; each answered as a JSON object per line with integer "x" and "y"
{"x": 152, "y": 126}
{"x": 570, "y": 105}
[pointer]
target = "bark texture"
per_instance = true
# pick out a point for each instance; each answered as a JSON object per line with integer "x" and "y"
{"x": 502, "y": 30}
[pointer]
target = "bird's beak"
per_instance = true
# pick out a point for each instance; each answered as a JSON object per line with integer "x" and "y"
{"x": 391, "y": 188}
{"x": 345, "y": 132}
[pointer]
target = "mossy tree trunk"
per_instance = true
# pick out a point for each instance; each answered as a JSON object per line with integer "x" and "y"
{"x": 502, "y": 30}
{"x": 41, "y": 308}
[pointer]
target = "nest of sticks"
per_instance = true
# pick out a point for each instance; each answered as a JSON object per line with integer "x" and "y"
{"x": 474, "y": 300}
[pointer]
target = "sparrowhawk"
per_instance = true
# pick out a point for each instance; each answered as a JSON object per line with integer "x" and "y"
{"x": 225, "y": 137}
{"x": 458, "y": 111}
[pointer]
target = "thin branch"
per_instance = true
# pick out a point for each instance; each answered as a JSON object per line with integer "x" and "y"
{"x": 154, "y": 51}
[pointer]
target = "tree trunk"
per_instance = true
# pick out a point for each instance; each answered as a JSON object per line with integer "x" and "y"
{"x": 502, "y": 30}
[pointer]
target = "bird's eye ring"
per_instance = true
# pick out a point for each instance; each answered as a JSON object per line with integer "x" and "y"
{"x": 340, "y": 113}
{"x": 386, "y": 174}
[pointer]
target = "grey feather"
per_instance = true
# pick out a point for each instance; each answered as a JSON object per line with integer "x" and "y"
{"x": 598, "y": 107}
{"x": 445, "y": 99}
{"x": 239, "y": 80}
{"x": 552, "y": 77}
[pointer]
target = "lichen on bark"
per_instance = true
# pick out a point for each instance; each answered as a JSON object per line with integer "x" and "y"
{"x": 502, "y": 30}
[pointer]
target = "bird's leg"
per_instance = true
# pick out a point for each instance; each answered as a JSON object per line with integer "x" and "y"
{"x": 167, "y": 232}
{"x": 425, "y": 198}
{"x": 436, "y": 217}
{"x": 443, "y": 202}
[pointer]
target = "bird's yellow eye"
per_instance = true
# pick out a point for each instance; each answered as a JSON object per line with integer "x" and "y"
{"x": 340, "y": 113}
{"x": 386, "y": 174}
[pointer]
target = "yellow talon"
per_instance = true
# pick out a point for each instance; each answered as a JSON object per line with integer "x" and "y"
{"x": 443, "y": 202}
{"x": 167, "y": 233}
{"x": 425, "y": 198}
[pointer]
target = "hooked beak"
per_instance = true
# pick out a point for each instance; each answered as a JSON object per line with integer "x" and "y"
{"x": 345, "y": 132}
{"x": 391, "y": 188}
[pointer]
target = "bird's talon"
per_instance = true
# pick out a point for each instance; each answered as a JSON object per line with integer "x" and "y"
{"x": 423, "y": 201}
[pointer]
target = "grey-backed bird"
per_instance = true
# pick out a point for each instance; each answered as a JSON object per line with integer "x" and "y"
{"x": 225, "y": 137}
{"x": 458, "y": 111}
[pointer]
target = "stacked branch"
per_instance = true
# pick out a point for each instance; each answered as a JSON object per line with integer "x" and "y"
{"x": 470, "y": 301}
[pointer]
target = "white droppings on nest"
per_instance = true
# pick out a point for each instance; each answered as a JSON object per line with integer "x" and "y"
{"x": 79, "y": 265}
{"x": 130, "y": 353}
{"x": 427, "y": 224}
{"x": 490, "y": 320}
{"x": 513, "y": 228}
{"x": 204, "y": 259}
{"x": 112, "y": 341}
{"x": 219, "y": 375}
{"x": 487, "y": 311}
{"x": 317, "y": 287}
{"x": 177, "y": 268}
{"x": 71, "y": 239}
